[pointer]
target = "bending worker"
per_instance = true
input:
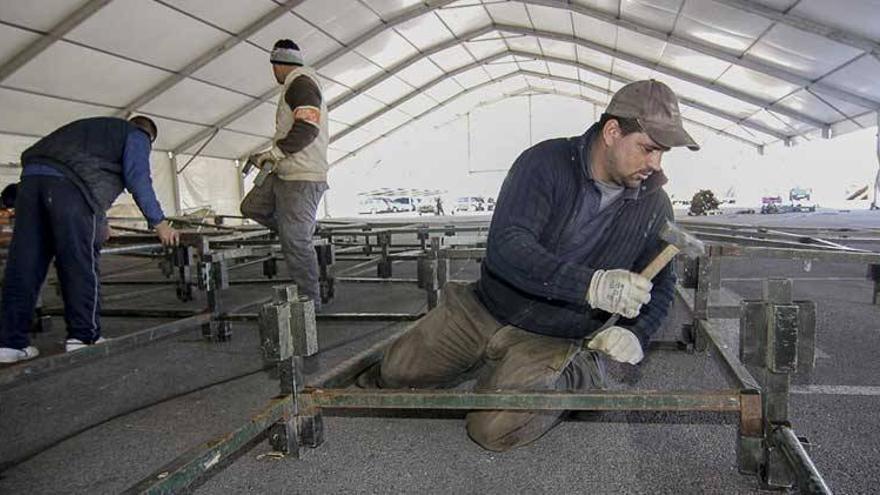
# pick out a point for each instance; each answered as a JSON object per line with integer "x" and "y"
{"x": 576, "y": 219}
{"x": 287, "y": 200}
{"x": 69, "y": 180}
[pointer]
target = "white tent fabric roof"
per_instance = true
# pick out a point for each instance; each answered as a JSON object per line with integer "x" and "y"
{"x": 760, "y": 72}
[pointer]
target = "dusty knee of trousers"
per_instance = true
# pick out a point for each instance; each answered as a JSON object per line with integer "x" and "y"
{"x": 490, "y": 431}
{"x": 396, "y": 372}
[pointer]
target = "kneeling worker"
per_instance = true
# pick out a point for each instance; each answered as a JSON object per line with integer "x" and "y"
{"x": 69, "y": 180}
{"x": 575, "y": 222}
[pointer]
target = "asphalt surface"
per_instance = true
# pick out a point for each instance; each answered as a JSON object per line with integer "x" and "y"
{"x": 102, "y": 427}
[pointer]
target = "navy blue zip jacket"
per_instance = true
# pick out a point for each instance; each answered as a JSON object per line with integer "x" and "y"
{"x": 525, "y": 282}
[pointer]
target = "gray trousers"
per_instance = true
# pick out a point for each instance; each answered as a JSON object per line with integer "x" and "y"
{"x": 290, "y": 208}
{"x": 459, "y": 337}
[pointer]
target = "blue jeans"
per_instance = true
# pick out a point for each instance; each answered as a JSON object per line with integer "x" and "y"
{"x": 52, "y": 220}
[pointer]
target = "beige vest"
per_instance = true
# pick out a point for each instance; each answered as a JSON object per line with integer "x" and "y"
{"x": 309, "y": 164}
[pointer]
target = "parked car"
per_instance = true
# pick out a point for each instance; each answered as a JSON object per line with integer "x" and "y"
{"x": 374, "y": 205}
{"x": 469, "y": 203}
{"x": 404, "y": 203}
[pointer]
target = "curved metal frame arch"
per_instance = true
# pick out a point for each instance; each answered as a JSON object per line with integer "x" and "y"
{"x": 496, "y": 81}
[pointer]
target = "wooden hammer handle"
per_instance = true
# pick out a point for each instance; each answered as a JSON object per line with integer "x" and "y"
{"x": 660, "y": 262}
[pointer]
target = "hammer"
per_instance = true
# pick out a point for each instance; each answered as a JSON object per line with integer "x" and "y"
{"x": 678, "y": 241}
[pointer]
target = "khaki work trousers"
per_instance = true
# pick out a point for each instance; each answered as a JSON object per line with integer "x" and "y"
{"x": 459, "y": 337}
{"x": 290, "y": 208}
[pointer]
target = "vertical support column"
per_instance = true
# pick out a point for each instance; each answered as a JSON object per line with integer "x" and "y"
{"x": 276, "y": 343}
{"x": 422, "y": 236}
{"x": 368, "y": 248}
{"x": 874, "y": 275}
{"x": 770, "y": 345}
{"x": 213, "y": 279}
{"x": 384, "y": 267}
{"x": 175, "y": 184}
{"x": 708, "y": 279}
{"x": 288, "y": 333}
{"x": 184, "y": 258}
{"x": 432, "y": 289}
{"x": 326, "y": 257}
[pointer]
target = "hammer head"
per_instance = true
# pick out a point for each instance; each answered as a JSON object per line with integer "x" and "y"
{"x": 688, "y": 244}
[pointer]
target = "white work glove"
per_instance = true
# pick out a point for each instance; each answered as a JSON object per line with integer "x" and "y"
{"x": 619, "y": 344}
{"x": 619, "y": 291}
{"x": 260, "y": 158}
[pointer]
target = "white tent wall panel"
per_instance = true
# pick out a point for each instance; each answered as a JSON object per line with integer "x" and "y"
{"x": 595, "y": 30}
{"x": 483, "y": 49}
{"x": 857, "y": 16}
{"x": 860, "y": 77}
{"x": 386, "y": 49}
{"x": 464, "y": 16}
{"x": 444, "y": 89}
{"x": 779, "y": 122}
{"x": 227, "y": 143}
{"x": 756, "y": 83}
{"x": 523, "y": 43}
{"x": 313, "y": 43}
{"x": 331, "y": 90}
{"x": 356, "y": 109}
{"x": 806, "y": 54}
{"x": 244, "y": 68}
{"x": 549, "y": 19}
{"x": 342, "y": 19}
{"x": 350, "y": 70}
{"x": 725, "y": 27}
{"x": 231, "y": 15}
{"x": 452, "y": 58}
{"x": 424, "y": 31}
{"x": 593, "y": 58}
{"x": 472, "y": 77}
{"x": 656, "y": 14}
{"x": 42, "y": 15}
{"x": 13, "y": 40}
{"x": 209, "y": 182}
{"x": 386, "y": 122}
{"x": 172, "y": 132}
{"x": 501, "y": 67}
{"x": 806, "y": 102}
{"x": 508, "y": 13}
{"x": 687, "y": 60}
{"x": 147, "y": 31}
{"x": 419, "y": 73}
{"x": 417, "y": 104}
{"x": 71, "y": 71}
{"x": 559, "y": 49}
{"x": 389, "y": 90}
{"x": 388, "y": 8}
{"x": 568, "y": 71}
{"x": 195, "y": 102}
{"x": 260, "y": 120}
{"x": 24, "y": 113}
{"x": 642, "y": 46}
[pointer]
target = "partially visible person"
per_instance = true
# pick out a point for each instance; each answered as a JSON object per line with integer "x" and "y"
{"x": 69, "y": 180}
{"x": 287, "y": 200}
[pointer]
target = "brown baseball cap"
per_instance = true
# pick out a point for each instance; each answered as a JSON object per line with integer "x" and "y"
{"x": 655, "y": 107}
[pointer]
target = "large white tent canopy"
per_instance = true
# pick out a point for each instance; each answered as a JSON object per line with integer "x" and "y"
{"x": 761, "y": 72}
